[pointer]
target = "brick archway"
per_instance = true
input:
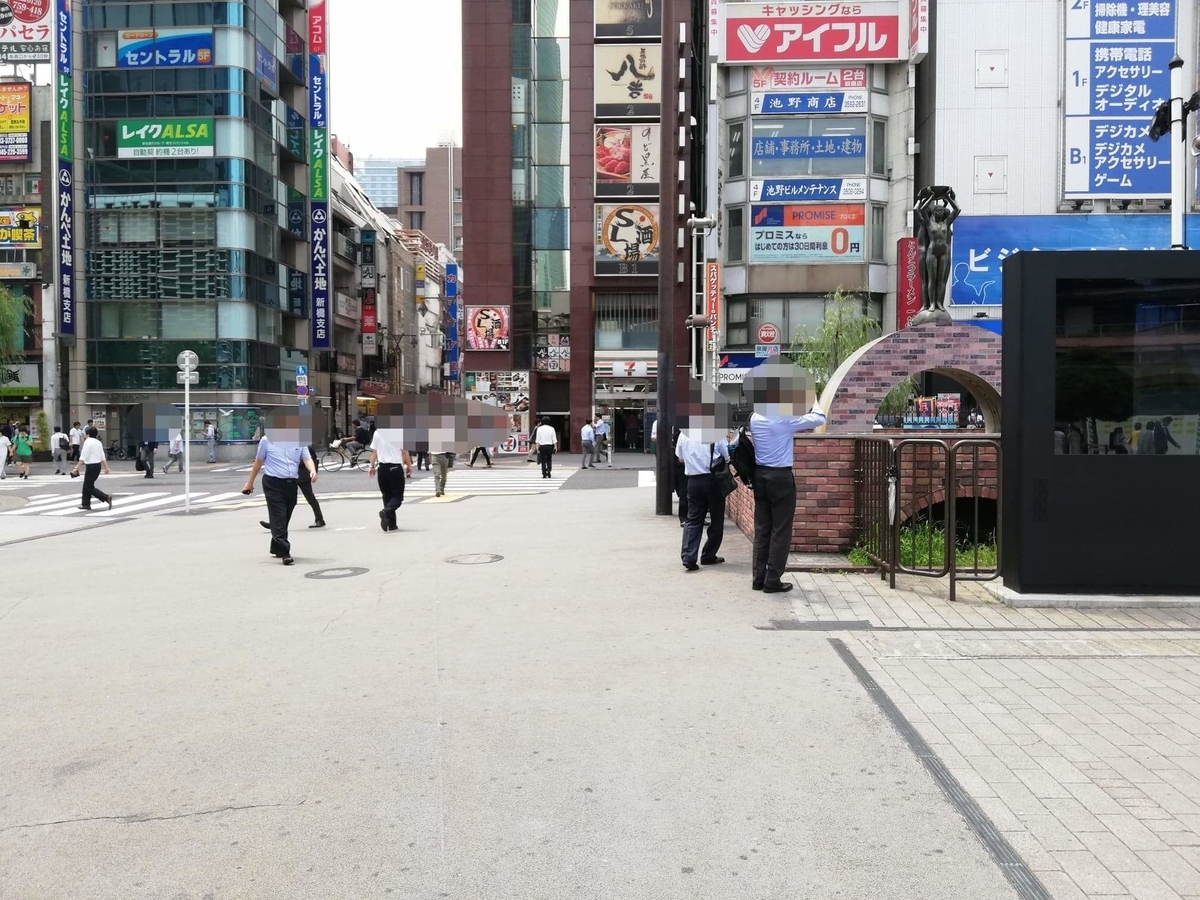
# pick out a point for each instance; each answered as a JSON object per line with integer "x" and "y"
{"x": 967, "y": 353}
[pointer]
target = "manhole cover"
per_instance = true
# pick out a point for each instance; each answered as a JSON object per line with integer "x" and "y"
{"x": 474, "y": 559}
{"x": 344, "y": 572}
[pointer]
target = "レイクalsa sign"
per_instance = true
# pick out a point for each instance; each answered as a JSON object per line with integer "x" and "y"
{"x": 762, "y": 33}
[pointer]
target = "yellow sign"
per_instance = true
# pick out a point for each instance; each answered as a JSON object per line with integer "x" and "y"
{"x": 14, "y": 108}
{"x": 21, "y": 228}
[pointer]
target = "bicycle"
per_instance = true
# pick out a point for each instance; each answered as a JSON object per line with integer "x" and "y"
{"x": 116, "y": 451}
{"x": 337, "y": 456}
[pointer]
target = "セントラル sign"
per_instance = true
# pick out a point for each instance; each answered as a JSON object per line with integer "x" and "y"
{"x": 164, "y": 48}
{"x": 164, "y": 138}
{"x": 813, "y": 32}
{"x": 627, "y": 239}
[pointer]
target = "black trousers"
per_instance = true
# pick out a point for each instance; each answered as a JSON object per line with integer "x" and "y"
{"x": 310, "y": 498}
{"x": 681, "y": 490}
{"x": 774, "y": 510}
{"x": 546, "y": 458}
{"x": 280, "y": 494}
{"x": 391, "y": 486}
{"x": 90, "y": 473}
{"x": 703, "y": 498}
{"x": 474, "y": 456}
{"x": 422, "y": 458}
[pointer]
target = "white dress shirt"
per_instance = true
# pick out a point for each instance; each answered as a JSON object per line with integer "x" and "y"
{"x": 587, "y": 434}
{"x": 177, "y": 444}
{"x": 54, "y": 439}
{"x": 388, "y": 453}
{"x": 76, "y": 437}
{"x": 91, "y": 452}
{"x": 773, "y": 436}
{"x": 654, "y": 431}
{"x": 545, "y": 436}
{"x": 698, "y": 458}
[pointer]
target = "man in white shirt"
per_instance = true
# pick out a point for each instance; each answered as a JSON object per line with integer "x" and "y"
{"x": 601, "y": 428}
{"x": 5, "y": 453}
{"x": 704, "y": 497}
{"x": 654, "y": 435}
{"x": 393, "y": 462}
{"x": 587, "y": 434}
{"x": 210, "y": 437}
{"x": 176, "y": 452}
{"x": 92, "y": 458}
{"x": 545, "y": 438}
{"x": 75, "y": 438}
{"x": 59, "y": 446}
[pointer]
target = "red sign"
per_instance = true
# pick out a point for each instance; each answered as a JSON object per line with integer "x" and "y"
{"x": 32, "y": 11}
{"x": 908, "y": 281}
{"x": 768, "y": 333}
{"x": 712, "y": 296}
{"x": 318, "y": 26}
{"x": 812, "y": 32}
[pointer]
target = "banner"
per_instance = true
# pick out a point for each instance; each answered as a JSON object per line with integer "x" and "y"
{"x": 627, "y": 239}
{"x": 712, "y": 297}
{"x": 487, "y": 328}
{"x": 807, "y": 234}
{"x": 164, "y": 48}
{"x": 266, "y": 68}
{"x": 370, "y": 322}
{"x": 627, "y": 158}
{"x": 64, "y": 106}
{"x": 20, "y": 382}
{"x": 908, "y": 281}
{"x": 450, "y": 349}
{"x": 21, "y": 228}
{"x": 628, "y": 80}
{"x": 27, "y": 30}
{"x": 510, "y": 392}
{"x": 628, "y": 18}
{"x": 783, "y": 190}
{"x": 15, "y": 121}
{"x": 813, "y": 32}
{"x": 165, "y": 138}
{"x": 318, "y": 169}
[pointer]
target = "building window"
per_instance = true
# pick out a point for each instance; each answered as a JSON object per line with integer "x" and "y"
{"x": 817, "y": 145}
{"x": 736, "y": 237}
{"x": 735, "y": 82}
{"x": 458, "y": 219}
{"x": 737, "y": 323}
{"x": 793, "y": 316}
{"x": 458, "y": 195}
{"x": 876, "y": 248}
{"x": 737, "y": 150}
{"x": 416, "y": 189}
{"x": 417, "y": 221}
{"x": 879, "y": 147}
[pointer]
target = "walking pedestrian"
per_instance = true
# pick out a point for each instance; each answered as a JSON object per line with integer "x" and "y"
{"x": 280, "y": 463}
{"x": 5, "y": 454}
{"x": 146, "y": 455}
{"x": 545, "y": 438}
{"x": 601, "y": 429}
{"x": 304, "y": 484}
{"x": 23, "y": 451}
{"x": 773, "y": 433}
{"x": 75, "y": 437}
{"x": 654, "y": 436}
{"x": 486, "y": 458}
{"x": 423, "y": 460}
{"x": 92, "y": 458}
{"x": 704, "y": 498}
{"x": 210, "y": 437}
{"x": 587, "y": 435}
{"x": 175, "y": 451}
{"x": 60, "y": 445}
{"x": 393, "y": 462}
{"x": 441, "y": 467}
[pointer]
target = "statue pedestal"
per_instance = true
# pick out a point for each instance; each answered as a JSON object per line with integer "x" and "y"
{"x": 930, "y": 317}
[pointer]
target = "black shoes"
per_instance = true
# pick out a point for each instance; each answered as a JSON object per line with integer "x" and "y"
{"x": 715, "y": 561}
{"x": 319, "y": 524}
{"x": 756, "y": 585}
{"x": 266, "y": 525}
{"x": 781, "y": 588}
{"x": 288, "y": 561}
{"x": 691, "y": 567}
{"x": 383, "y": 522}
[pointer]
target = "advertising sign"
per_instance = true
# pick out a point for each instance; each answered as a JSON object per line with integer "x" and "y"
{"x": 266, "y": 68}
{"x": 712, "y": 296}
{"x": 552, "y": 353}
{"x": 779, "y": 103}
{"x": 628, "y": 80}
{"x": 982, "y": 243}
{"x": 366, "y": 258}
{"x": 627, "y": 239}
{"x": 370, "y": 322}
{"x": 487, "y": 328}
{"x": 806, "y": 190}
{"x": 812, "y": 32}
{"x": 768, "y": 333}
{"x": 64, "y": 111}
{"x": 830, "y": 233}
{"x": 297, "y": 213}
{"x": 908, "y": 281}
{"x": 14, "y": 121}
{"x": 164, "y": 138}
{"x": 628, "y": 18}
{"x": 318, "y": 172}
{"x": 21, "y": 227}
{"x": 318, "y": 30}
{"x": 18, "y": 271}
{"x": 510, "y": 392}
{"x": 918, "y": 30}
{"x": 451, "y": 281}
{"x": 450, "y": 350}
{"x": 807, "y": 78}
{"x": 27, "y": 29}
{"x": 1116, "y": 74}
{"x": 851, "y": 146}
{"x": 164, "y": 48}
{"x": 20, "y": 381}
{"x": 627, "y": 158}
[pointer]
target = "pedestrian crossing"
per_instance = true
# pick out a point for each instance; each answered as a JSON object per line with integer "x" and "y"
{"x": 460, "y": 485}
{"x": 13, "y": 483}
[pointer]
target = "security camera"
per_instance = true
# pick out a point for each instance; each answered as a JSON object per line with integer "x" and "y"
{"x": 697, "y": 321}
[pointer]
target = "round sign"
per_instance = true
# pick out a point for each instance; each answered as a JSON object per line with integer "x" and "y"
{"x": 187, "y": 360}
{"x": 768, "y": 333}
{"x": 31, "y": 11}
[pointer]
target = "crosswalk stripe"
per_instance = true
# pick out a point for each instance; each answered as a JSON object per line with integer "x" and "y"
{"x": 125, "y": 509}
{"x": 215, "y": 498}
{"x": 41, "y": 508}
{"x": 71, "y": 510}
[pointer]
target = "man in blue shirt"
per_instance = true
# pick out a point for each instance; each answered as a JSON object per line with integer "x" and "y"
{"x": 280, "y": 454}
{"x": 704, "y": 497}
{"x": 773, "y": 427}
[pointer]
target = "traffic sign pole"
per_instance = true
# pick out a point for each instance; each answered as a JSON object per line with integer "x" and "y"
{"x": 187, "y": 362}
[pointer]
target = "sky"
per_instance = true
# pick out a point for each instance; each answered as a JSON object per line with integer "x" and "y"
{"x": 395, "y": 75}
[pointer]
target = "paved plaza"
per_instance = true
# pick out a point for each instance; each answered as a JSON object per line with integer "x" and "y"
{"x": 524, "y": 696}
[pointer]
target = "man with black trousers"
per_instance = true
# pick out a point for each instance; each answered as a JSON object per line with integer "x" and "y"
{"x": 773, "y": 428}
{"x": 392, "y": 462}
{"x": 281, "y": 460}
{"x": 304, "y": 483}
{"x": 704, "y": 497}
{"x": 545, "y": 438}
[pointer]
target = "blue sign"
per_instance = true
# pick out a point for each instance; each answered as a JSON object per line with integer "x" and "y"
{"x": 297, "y": 218}
{"x": 318, "y": 106}
{"x": 982, "y": 243}
{"x": 164, "y": 48}
{"x": 266, "y": 67}
{"x": 1116, "y": 75}
{"x": 451, "y": 280}
{"x": 65, "y": 103}
{"x": 809, "y": 147}
{"x": 301, "y": 370}
{"x": 294, "y": 119}
{"x": 322, "y": 330}
{"x": 812, "y": 102}
{"x": 791, "y": 190}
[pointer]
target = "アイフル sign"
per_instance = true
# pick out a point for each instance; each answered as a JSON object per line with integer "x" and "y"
{"x": 759, "y": 33}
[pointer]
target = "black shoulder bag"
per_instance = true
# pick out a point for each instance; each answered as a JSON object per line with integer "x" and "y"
{"x": 720, "y": 471}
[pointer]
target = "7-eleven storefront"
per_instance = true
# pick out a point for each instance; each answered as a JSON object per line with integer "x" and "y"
{"x": 625, "y": 389}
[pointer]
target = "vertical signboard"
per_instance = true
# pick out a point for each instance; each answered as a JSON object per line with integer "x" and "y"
{"x": 450, "y": 325}
{"x": 908, "y": 281}
{"x": 627, "y": 80}
{"x": 318, "y": 168}
{"x": 368, "y": 281}
{"x": 65, "y": 137}
{"x": 712, "y": 297}
{"x": 1116, "y": 74}
{"x": 918, "y": 30}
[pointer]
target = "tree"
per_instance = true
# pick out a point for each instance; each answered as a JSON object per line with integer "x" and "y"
{"x": 13, "y": 312}
{"x": 845, "y": 328}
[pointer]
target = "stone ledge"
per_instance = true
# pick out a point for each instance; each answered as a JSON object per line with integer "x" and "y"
{"x": 1016, "y": 600}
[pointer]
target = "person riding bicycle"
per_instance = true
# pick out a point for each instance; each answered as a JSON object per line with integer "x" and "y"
{"x": 362, "y": 438}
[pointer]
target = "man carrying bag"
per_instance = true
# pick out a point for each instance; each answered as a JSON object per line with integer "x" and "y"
{"x": 709, "y": 482}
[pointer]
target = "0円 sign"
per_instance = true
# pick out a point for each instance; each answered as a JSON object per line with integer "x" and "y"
{"x": 828, "y": 233}
{"x": 627, "y": 239}
{"x": 1116, "y": 74}
{"x": 164, "y": 138}
{"x": 763, "y": 33}
{"x": 627, "y": 158}
{"x": 628, "y": 80}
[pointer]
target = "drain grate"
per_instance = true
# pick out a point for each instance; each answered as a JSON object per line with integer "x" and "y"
{"x": 342, "y": 572}
{"x": 474, "y": 559}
